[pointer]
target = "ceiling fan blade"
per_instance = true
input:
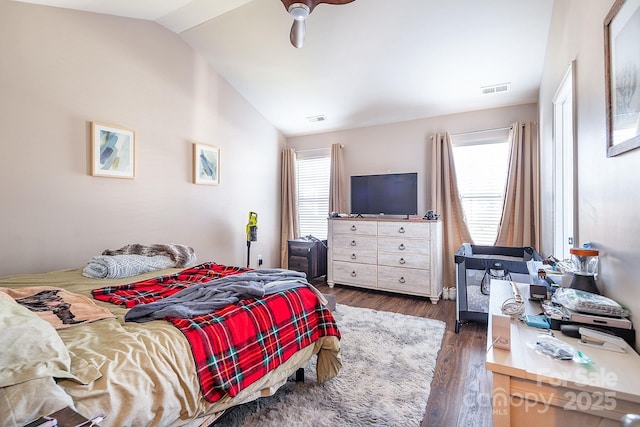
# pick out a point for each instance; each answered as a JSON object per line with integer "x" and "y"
{"x": 298, "y": 30}
{"x": 317, "y": 2}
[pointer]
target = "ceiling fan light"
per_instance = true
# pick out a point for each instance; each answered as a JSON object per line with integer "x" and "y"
{"x": 299, "y": 11}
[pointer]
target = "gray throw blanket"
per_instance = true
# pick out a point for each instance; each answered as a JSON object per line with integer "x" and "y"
{"x": 205, "y": 298}
{"x": 181, "y": 255}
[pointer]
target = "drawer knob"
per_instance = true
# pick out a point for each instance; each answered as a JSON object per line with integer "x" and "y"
{"x": 353, "y": 228}
{"x": 353, "y": 274}
{"x": 353, "y": 256}
{"x": 401, "y": 247}
{"x": 401, "y": 230}
{"x": 401, "y": 280}
{"x": 353, "y": 243}
{"x": 402, "y": 261}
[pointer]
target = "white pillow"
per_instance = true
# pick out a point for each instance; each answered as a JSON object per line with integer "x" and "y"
{"x": 31, "y": 347}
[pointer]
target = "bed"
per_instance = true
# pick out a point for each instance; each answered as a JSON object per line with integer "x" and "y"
{"x": 148, "y": 372}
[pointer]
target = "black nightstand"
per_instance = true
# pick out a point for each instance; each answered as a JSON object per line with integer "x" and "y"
{"x": 308, "y": 256}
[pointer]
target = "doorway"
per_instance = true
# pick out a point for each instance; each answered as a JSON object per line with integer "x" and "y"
{"x": 564, "y": 200}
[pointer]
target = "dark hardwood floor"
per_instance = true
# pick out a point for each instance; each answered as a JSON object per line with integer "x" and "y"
{"x": 461, "y": 387}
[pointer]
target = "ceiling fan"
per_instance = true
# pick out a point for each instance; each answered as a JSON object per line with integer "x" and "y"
{"x": 300, "y": 10}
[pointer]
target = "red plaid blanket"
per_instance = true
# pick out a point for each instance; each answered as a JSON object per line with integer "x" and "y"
{"x": 237, "y": 345}
{"x": 153, "y": 289}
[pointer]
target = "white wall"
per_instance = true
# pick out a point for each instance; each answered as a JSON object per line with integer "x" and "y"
{"x": 60, "y": 69}
{"x": 406, "y": 146}
{"x": 608, "y": 200}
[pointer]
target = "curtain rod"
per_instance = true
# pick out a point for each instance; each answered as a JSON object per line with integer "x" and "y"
{"x": 315, "y": 149}
{"x": 481, "y": 131}
{"x": 308, "y": 150}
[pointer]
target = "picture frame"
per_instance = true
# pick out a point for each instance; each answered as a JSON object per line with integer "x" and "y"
{"x": 112, "y": 151}
{"x": 622, "y": 76}
{"x": 206, "y": 164}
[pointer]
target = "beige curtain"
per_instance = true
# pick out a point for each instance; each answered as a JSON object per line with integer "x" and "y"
{"x": 520, "y": 222}
{"x": 289, "y": 226}
{"x": 337, "y": 181}
{"x": 445, "y": 201}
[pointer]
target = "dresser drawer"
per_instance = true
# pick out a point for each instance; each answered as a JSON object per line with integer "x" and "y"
{"x": 357, "y": 274}
{"x": 407, "y": 260}
{"x": 401, "y": 245}
{"x": 404, "y": 280}
{"x": 298, "y": 263}
{"x": 296, "y": 249}
{"x": 406, "y": 229}
{"x": 369, "y": 228}
{"x": 355, "y": 242}
{"x": 355, "y": 255}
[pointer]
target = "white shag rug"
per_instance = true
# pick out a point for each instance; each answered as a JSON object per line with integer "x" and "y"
{"x": 388, "y": 360}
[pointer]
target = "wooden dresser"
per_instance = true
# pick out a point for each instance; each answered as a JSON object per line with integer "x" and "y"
{"x": 403, "y": 256}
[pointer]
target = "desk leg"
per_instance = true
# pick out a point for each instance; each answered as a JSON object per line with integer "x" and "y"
{"x": 501, "y": 400}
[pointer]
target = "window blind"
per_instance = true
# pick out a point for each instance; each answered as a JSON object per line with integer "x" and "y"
{"x": 313, "y": 174}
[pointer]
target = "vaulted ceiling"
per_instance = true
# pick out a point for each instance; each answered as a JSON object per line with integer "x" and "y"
{"x": 363, "y": 63}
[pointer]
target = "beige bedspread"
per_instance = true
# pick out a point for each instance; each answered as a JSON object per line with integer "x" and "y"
{"x": 137, "y": 374}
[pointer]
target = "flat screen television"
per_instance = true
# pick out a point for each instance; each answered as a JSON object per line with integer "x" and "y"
{"x": 388, "y": 194}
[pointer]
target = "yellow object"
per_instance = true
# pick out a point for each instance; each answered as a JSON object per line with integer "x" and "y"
{"x": 252, "y": 227}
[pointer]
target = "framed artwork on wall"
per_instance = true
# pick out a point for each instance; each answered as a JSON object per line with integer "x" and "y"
{"x": 206, "y": 164}
{"x": 622, "y": 73}
{"x": 112, "y": 151}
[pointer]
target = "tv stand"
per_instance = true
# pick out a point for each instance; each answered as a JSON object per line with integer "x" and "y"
{"x": 394, "y": 255}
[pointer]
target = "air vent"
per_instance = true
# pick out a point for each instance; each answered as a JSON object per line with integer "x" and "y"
{"x": 502, "y": 87}
{"x": 316, "y": 119}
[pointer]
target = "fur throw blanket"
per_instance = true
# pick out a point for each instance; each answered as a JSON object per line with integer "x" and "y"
{"x": 181, "y": 255}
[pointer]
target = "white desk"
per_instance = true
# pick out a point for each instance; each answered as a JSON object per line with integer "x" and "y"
{"x": 531, "y": 389}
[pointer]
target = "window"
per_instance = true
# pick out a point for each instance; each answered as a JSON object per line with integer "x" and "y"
{"x": 312, "y": 177}
{"x": 481, "y": 171}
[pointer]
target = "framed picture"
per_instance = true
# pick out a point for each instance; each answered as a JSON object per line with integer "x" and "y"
{"x": 622, "y": 73}
{"x": 206, "y": 164}
{"x": 112, "y": 151}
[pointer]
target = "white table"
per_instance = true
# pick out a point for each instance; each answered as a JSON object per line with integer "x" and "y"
{"x": 532, "y": 389}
